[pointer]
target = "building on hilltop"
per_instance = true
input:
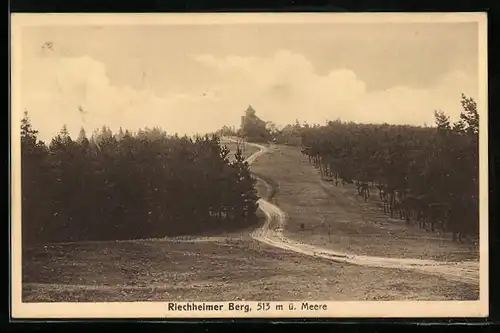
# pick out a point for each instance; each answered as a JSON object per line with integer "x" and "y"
{"x": 251, "y": 117}
{"x": 252, "y": 127}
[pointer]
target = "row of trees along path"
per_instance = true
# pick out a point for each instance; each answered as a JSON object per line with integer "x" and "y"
{"x": 425, "y": 175}
{"x": 126, "y": 186}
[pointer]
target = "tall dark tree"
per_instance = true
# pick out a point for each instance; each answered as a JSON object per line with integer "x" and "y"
{"x": 35, "y": 172}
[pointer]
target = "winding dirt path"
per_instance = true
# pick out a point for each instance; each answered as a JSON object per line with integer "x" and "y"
{"x": 271, "y": 233}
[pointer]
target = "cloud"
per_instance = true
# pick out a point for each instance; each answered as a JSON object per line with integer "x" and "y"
{"x": 285, "y": 87}
{"x": 404, "y": 105}
{"x": 54, "y": 89}
{"x": 282, "y": 88}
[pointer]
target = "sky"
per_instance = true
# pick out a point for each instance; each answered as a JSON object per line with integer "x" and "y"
{"x": 196, "y": 78}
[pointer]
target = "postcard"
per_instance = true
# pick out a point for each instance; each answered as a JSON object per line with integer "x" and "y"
{"x": 249, "y": 165}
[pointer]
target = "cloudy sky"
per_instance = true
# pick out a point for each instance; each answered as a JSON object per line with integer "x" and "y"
{"x": 196, "y": 78}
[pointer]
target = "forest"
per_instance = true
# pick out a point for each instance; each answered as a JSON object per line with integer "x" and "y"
{"x": 424, "y": 175}
{"x": 130, "y": 185}
{"x": 150, "y": 184}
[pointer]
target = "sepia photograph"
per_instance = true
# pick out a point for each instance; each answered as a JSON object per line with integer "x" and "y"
{"x": 249, "y": 165}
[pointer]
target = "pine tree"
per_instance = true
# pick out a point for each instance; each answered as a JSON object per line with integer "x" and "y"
{"x": 36, "y": 203}
{"x": 442, "y": 121}
{"x": 82, "y": 136}
{"x": 28, "y": 134}
{"x": 470, "y": 115}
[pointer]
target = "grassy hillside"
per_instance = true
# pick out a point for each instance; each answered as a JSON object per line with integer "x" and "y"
{"x": 336, "y": 218}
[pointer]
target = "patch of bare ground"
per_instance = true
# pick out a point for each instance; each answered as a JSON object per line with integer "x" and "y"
{"x": 237, "y": 269}
{"x": 338, "y": 219}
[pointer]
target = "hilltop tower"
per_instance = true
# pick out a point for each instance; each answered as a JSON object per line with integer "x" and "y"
{"x": 253, "y": 127}
{"x": 249, "y": 115}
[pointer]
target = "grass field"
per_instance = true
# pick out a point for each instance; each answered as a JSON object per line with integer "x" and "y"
{"x": 336, "y": 218}
{"x": 226, "y": 267}
{"x": 222, "y": 270}
{"x": 247, "y": 150}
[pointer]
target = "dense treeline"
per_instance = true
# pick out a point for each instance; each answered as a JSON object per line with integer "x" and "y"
{"x": 424, "y": 174}
{"x": 227, "y": 131}
{"x": 289, "y": 135}
{"x": 125, "y": 186}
